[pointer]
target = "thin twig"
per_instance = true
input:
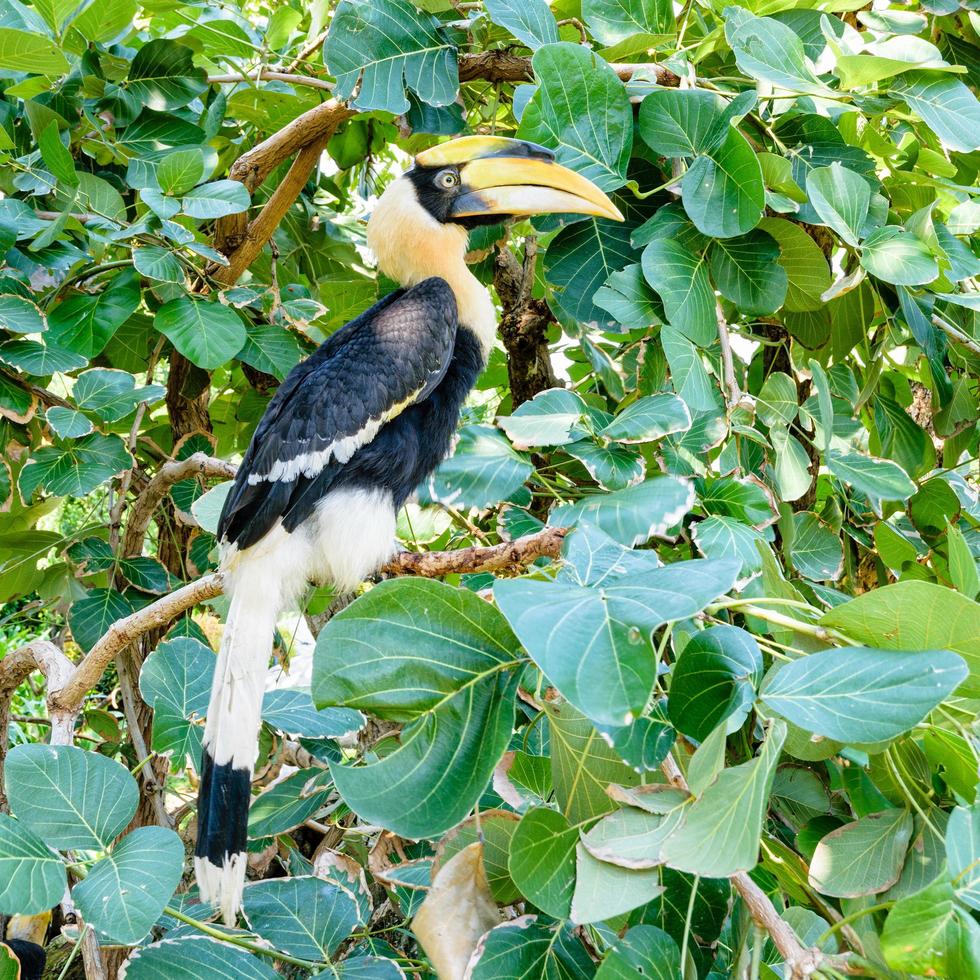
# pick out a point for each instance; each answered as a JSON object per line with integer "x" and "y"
{"x": 956, "y": 335}
{"x": 267, "y": 75}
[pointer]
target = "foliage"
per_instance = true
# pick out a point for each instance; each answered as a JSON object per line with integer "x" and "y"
{"x": 765, "y": 442}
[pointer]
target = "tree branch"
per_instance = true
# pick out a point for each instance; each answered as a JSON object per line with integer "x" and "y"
{"x": 267, "y": 75}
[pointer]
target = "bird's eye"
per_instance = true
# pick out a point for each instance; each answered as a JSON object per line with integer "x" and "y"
{"x": 447, "y": 179}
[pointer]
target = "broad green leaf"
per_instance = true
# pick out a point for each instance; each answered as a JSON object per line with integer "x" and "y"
{"x": 178, "y": 674}
{"x": 32, "y": 876}
{"x": 483, "y": 470}
{"x": 963, "y": 853}
{"x": 714, "y": 680}
{"x": 808, "y": 275}
{"x": 841, "y": 198}
{"x": 613, "y": 466}
{"x": 603, "y": 891}
{"x": 20, "y": 315}
{"x": 289, "y": 803}
{"x": 613, "y": 21}
{"x": 530, "y": 21}
{"x": 84, "y": 323}
{"x": 721, "y": 830}
{"x": 679, "y": 122}
{"x": 648, "y": 419}
{"x": 206, "y": 333}
{"x": 746, "y": 499}
{"x": 583, "y": 765}
{"x": 726, "y": 537}
{"x": 532, "y": 951}
{"x": 124, "y": 893}
{"x": 642, "y": 744}
{"x": 271, "y": 348}
{"x": 581, "y": 109}
{"x": 632, "y": 838}
{"x": 769, "y": 51}
{"x": 898, "y": 257}
{"x": 747, "y": 272}
{"x": 193, "y": 957}
{"x": 146, "y": 574}
{"x": 76, "y": 468}
{"x": 180, "y": 170}
{"x": 303, "y": 916}
{"x": 631, "y": 516}
{"x": 777, "y": 402}
{"x": 112, "y": 394}
{"x": 156, "y": 262}
{"x": 458, "y": 652}
{"x": 294, "y": 714}
{"x": 816, "y": 550}
{"x": 217, "y": 199}
{"x": 691, "y": 381}
{"x": 591, "y": 557}
{"x": 69, "y": 797}
{"x": 542, "y": 860}
{"x": 946, "y": 105}
{"x": 57, "y": 157}
{"x": 596, "y": 644}
{"x": 680, "y": 278}
{"x": 859, "y": 694}
{"x": 91, "y": 616}
{"x": 878, "y": 478}
{"x": 629, "y": 298}
{"x": 30, "y": 52}
{"x": 207, "y": 508}
{"x": 930, "y": 934}
{"x": 551, "y": 418}
{"x": 915, "y": 616}
{"x": 723, "y": 192}
{"x": 962, "y": 565}
{"x": 495, "y": 829}
{"x": 162, "y": 75}
{"x": 644, "y": 951}
{"x": 39, "y": 359}
{"x": 388, "y": 47}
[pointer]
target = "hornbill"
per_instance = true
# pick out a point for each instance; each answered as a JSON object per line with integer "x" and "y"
{"x": 25, "y": 939}
{"x": 349, "y": 435}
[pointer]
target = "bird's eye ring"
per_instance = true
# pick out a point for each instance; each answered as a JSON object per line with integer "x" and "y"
{"x": 447, "y": 179}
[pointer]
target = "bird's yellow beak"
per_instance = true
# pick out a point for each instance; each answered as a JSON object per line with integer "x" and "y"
{"x": 514, "y": 177}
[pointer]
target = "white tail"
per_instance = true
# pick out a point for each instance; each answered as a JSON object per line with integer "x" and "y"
{"x": 231, "y": 735}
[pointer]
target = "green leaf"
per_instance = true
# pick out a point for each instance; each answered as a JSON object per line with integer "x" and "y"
{"x": 76, "y": 468}
{"x": 963, "y": 853}
{"x": 579, "y": 260}
{"x": 180, "y": 170}
{"x": 714, "y": 680}
{"x": 495, "y": 828}
{"x": 777, "y": 402}
{"x": 603, "y": 891}
{"x": 581, "y": 109}
{"x": 898, "y": 257}
{"x": 769, "y": 51}
{"x": 112, "y": 394}
{"x": 816, "y": 550}
{"x": 878, "y": 478}
{"x": 436, "y": 656}
{"x": 841, "y": 199}
{"x": 725, "y": 537}
{"x": 57, "y": 157}
{"x": 91, "y": 616}
{"x": 84, "y": 324}
{"x": 144, "y": 867}
{"x": 642, "y": 744}
{"x": 217, "y": 199}
{"x": 596, "y": 644}
{"x": 551, "y": 418}
{"x": 207, "y": 508}
{"x": 808, "y": 275}
{"x": 644, "y": 951}
{"x": 745, "y": 500}
{"x": 39, "y": 359}
{"x": 289, "y": 803}
{"x": 20, "y": 315}
{"x": 30, "y": 52}
{"x": 679, "y": 122}
{"x": 483, "y": 470}
{"x": 721, "y": 830}
{"x": 723, "y": 192}
{"x": 162, "y": 75}
{"x": 303, "y": 916}
{"x": 32, "y": 875}
{"x": 680, "y": 278}
{"x": 945, "y": 104}
{"x": 631, "y": 516}
{"x": 633, "y": 838}
{"x": 156, "y": 262}
{"x": 206, "y": 333}
{"x": 387, "y": 47}
{"x": 962, "y": 565}
{"x": 583, "y": 764}
{"x": 860, "y": 694}
{"x": 295, "y": 715}
{"x": 864, "y": 857}
{"x": 178, "y": 674}
{"x": 929, "y": 934}
{"x": 542, "y": 860}
{"x": 647, "y": 419}
{"x": 591, "y": 557}
{"x": 193, "y": 957}
{"x": 613, "y": 466}
{"x": 628, "y": 297}
{"x": 612, "y": 21}
{"x": 271, "y": 348}
{"x": 69, "y": 797}
{"x": 915, "y": 616}
{"x": 747, "y": 272}
{"x": 532, "y": 951}
{"x": 146, "y": 574}
{"x": 530, "y": 21}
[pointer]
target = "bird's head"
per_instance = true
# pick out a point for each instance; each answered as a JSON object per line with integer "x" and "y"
{"x": 478, "y": 180}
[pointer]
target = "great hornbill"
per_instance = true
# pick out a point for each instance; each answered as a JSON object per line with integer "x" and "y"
{"x": 351, "y": 433}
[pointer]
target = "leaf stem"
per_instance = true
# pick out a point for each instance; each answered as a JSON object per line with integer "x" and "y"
{"x": 848, "y": 919}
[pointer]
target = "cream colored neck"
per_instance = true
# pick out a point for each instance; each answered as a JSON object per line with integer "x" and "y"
{"x": 411, "y": 245}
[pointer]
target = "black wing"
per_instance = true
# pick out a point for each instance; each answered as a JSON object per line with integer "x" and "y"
{"x": 365, "y": 374}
